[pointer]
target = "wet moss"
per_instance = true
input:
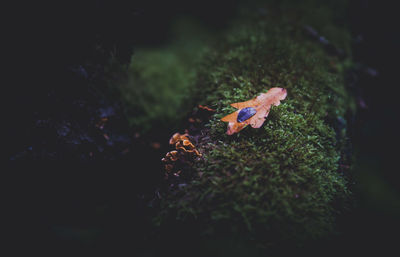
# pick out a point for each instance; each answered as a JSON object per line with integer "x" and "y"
{"x": 281, "y": 182}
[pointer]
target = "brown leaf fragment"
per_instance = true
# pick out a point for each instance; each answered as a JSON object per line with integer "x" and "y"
{"x": 187, "y": 146}
{"x": 206, "y": 108}
{"x": 185, "y": 153}
{"x": 177, "y": 137}
{"x": 171, "y": 156}
{"x": 262, "y": 105}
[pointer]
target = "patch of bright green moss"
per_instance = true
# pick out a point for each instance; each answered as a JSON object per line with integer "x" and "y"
{"x": 282, "y": 181}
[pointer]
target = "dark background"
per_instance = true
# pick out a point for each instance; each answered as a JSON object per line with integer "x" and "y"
{"x": 373, "y": 225}
{"x": 96, "y": 206}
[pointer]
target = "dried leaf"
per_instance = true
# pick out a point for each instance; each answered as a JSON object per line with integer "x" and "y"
{"x": 253, "y": 112}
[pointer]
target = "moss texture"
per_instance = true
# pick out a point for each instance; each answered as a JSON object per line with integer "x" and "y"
{"x": 159, "y": 89}
{"x": 281, "y": 182}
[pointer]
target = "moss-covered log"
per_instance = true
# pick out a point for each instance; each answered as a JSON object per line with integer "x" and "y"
{"x": 283, "y": 181}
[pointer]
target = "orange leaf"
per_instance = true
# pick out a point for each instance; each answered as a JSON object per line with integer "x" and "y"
{"x": 253, "y": 112}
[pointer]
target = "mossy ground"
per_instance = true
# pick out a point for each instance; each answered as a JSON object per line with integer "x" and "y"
{"x": 281, "y": 182}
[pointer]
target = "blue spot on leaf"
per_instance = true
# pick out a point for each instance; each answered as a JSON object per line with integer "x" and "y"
{"x": 246, "y": 113}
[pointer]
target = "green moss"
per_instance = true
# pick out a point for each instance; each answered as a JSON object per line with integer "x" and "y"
{"x": 279, "y": 182}
{"x": 158, "y": 91}
{"x": 154, "y": 93}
